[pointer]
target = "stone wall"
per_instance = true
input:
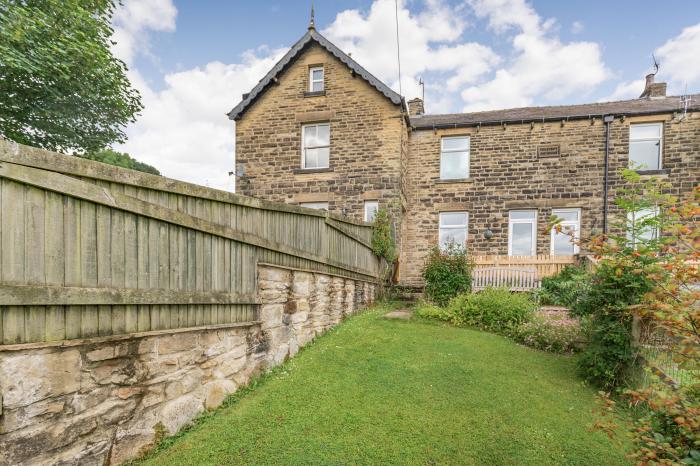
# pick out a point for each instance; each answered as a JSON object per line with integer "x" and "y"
{"x": 104, "y": 400}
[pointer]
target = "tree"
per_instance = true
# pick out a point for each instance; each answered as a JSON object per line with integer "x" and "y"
{"x": 120, "y": 159}
{"x": 60, "y": 86}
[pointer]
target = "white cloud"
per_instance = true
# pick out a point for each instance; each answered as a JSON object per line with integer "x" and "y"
{"x": 184, "y": 130}
{"x": 429, "y": 44}
{"x": 679, "y": 59}
{"x": 543, "y": 68}
{"x": 577, "y": 27}
{"x": 626, "y": 90}
{"x": 134, "y": 19}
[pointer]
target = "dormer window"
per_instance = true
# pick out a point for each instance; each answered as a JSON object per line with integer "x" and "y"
{"x": 316, "y": 76}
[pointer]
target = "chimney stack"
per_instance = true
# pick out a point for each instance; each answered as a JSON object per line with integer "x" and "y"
{"x": 652, "y": 89}
{"x": 415, "y": 107}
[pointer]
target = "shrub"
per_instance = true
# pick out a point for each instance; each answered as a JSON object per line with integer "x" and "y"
{"x": 493, "y": 309}
{"x": 430, "y": 311}
{"x": 554, "y": 332}
{"x": 447, "y": 273}
{"x": 383, "y": 244}
{"x": 567, "y": 288}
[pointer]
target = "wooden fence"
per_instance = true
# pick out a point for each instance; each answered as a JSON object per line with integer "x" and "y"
{"x": 543, "y": 265}
{"x": 88, "y": 249}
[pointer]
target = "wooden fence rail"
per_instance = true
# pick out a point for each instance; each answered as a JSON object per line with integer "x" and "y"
{"x": 543, "y": 265}
{"x": 88, "y": 249}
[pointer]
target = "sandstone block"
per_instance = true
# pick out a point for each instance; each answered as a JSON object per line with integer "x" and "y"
{"x": 29, "y": 377}
{"x": 216, "y": 392}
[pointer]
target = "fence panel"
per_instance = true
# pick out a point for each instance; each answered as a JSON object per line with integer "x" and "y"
{"x": 88, "y": 249}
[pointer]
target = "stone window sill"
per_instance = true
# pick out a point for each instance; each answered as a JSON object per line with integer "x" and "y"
{"x": 664, "y": 171}
{"x": 314, "y": 94}
{"x": 456, "y": 180}
{"x": 302, "y": 171}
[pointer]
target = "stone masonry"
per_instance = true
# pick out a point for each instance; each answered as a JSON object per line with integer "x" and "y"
{"x": 104, "y": 401}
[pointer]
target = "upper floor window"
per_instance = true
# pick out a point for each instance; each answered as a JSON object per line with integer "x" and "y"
{"x": 522, "y": 232}
{"x": 454, "y": 158}
{"x": 315, "y": 145}
{"x": 453, "y": 228}
{"x": 316, "y": 79}
{"x": 371, "y": 208}
{"x": 564, "y": 242}
{"x": 645, "y": 146}
{"x": 315, "y": 205}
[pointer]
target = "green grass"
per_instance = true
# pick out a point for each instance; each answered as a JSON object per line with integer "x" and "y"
{"x": 374, "y": 391}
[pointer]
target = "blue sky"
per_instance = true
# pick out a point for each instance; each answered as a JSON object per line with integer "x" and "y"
{"x": 193, "y": 59}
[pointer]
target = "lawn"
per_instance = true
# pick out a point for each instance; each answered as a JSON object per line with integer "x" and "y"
{"x": 375, "y": 391}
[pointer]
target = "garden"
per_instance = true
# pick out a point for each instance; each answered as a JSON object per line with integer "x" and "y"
{"x": 601, "y": 365}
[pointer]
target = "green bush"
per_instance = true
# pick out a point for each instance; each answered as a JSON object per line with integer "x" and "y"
{"x": 556, "y": 334}
{"x": 493, "y": 309}
{"x": 427, "y": 310}
{"x": 567, "y": 288}
{"x": 447, "y": 273}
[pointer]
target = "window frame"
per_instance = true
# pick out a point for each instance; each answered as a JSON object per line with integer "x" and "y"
{"x": 309, "y": 205}
{"x": 452, "y": 151}
{"x": 368, "y": 204}
{"x": 577, "y": 231}
{"x": 658, "y": 124}
{"x": 465, "y": 226}
{"x": 533, "y": 222}
{"x": 312, "y": 80}
{"x": 304, "y": 148}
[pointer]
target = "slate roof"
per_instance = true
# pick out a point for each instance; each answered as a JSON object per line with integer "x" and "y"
{"x": 311, "y": 36}
{"x": 643, "y": 106}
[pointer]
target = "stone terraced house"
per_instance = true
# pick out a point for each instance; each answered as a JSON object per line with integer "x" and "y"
{"x": 320, "y": 131}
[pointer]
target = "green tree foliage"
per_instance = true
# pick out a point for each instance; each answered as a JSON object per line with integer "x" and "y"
{"x": 120, "y": 159}
{"x": 447, "y": 273}
{"x": 60, "y": 86}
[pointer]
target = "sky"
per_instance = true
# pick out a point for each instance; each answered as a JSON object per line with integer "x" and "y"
{"x": 192, "y": 60}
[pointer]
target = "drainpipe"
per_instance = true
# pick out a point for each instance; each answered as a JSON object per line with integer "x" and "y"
{"x": 607, "y": 119}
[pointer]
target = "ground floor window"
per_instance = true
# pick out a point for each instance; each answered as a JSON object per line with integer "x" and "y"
{"x": 638, "y": 227}
{"x": 315, "y": 205}
{"x": 371, "y": 208}
{"x": 453, "y": 228}
{"x": 522, "y": 233}
{"x": 565, "y": 242}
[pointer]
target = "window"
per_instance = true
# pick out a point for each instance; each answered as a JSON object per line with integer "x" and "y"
{"x": 316, "y": 79}
{"x": 570, "y": 221}
{"x": 522, "y": 232}
{"x": 454, "y": 158}
{"x": 371, "y": 208}
{"x": 638, "y": 228}
{"x": 315, "y": 205}
{"x": 645, "y": 146}
{"x": 316, "y": 145}
{"x": 453, "y": 228}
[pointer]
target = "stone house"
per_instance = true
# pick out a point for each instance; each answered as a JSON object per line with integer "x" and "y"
{"x": 320, "y": 131}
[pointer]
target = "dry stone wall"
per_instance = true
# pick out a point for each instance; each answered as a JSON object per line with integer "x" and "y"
{"x": 104, "y": 401}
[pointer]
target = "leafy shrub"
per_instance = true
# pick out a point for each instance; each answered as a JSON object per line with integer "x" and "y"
{"x": 430, "y": 311}
{"x": 383, "y": 244}
{"x": 447, "y": 273}
{"x": 493, "y": 309}
{"x": 566, "y": 288}
{"x": 551, "y": 331}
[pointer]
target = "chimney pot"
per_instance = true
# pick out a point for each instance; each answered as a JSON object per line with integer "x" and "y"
{"x": 415, "y": 107}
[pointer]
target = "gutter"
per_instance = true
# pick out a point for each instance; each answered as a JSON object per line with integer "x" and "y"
{"x": 431, "y": 126}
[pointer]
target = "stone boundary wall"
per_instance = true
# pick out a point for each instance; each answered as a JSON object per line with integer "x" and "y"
{"x": 103, "y": 400}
